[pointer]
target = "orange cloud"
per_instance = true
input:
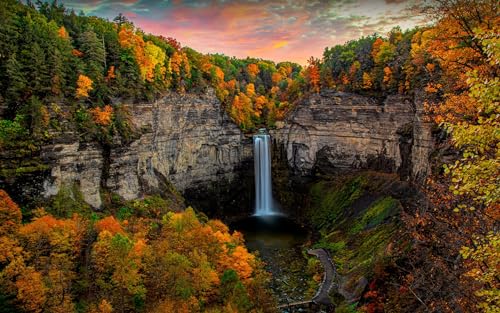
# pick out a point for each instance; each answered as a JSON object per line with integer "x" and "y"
{"x": 280, "y": 44}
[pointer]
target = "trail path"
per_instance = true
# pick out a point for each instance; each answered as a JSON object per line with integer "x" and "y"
{"x": 329, "y": 276}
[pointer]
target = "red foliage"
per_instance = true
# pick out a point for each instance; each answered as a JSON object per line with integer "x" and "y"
{"x": 172, "y": 42}
{"x": 77, "y": 53}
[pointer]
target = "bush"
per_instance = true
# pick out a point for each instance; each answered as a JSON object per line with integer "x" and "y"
{"x": 12, "y": 131}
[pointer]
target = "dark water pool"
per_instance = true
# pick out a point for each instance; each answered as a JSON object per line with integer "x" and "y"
{"x": 279, "y": 241}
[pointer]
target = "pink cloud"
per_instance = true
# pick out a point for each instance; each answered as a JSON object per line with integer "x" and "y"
{"x": 275, "y": 30}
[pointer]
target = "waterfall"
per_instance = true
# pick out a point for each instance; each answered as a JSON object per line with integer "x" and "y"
{"x": 262, "y": 165}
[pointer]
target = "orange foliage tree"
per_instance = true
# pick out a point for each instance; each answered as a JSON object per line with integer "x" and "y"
{"x": 253, "y": 70}
{"x": 10, "y": 215}
{"x": 102, "y": 116}
{"x": 63, "y": 33}
{"x": 109, "y": 224}
{"x": 313, "y": 74}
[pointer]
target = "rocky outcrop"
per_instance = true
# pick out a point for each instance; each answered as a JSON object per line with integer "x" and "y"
{"x": 187, "y": 141}
{"x": 336, "y": 131}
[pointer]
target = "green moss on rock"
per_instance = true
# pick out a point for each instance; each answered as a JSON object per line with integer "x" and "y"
{"x": 356, "y": 218}
{"x": 330, "y": 199}
{"x": 68, "y": 201}
{"x": 376, "y": 214}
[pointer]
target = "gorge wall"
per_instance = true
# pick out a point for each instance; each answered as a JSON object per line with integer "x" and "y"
{"x": 186, "y": 140}
{"x": 336, "y": 131}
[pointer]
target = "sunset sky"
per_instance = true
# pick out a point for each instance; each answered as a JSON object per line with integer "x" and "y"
{"x": 276, "y": 30}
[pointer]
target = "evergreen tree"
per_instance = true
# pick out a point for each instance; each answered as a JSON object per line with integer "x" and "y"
{"x": 94, "y": 54}
{"x": 36, "y": 69}
{"x": 16, "y": 85}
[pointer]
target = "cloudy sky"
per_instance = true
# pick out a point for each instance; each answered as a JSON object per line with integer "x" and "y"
{"x": 277, "y": 30}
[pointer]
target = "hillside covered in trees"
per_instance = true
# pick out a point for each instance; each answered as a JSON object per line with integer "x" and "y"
{"x": 63, "y": 71}
{"x": 157, "y": 261}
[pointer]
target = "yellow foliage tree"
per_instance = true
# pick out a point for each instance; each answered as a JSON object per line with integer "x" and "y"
{"x": 387, "y": 75}
{"x": 250, "y": 90}
{"x": 83, "y": 86}
{"x": 154, "y": 57}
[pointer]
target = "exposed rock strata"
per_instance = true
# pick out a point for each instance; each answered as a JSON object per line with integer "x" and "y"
{"x": 339, "y": 131}
{"x": 187, "y": 140}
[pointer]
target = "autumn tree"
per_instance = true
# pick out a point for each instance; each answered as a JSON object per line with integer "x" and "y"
{"x": 253, "y": 70}
{"x": 313, "y": 74}
{"x": 63, "y": 33}
{"x": 102, "y": 116}
{"x": 367, "y": 81}
{"x": 54, "y": 245}
{"x": 181, "y": 70}
{"x": 83, "y": 86}
{"x": 117, "y": 262}
{"x": 10, "y": 215}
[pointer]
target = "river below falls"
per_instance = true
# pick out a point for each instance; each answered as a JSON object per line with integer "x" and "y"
{"x": 278, "y": 241}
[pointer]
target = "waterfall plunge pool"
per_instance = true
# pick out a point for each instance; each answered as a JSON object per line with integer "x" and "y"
{"x": 278, "y": 241}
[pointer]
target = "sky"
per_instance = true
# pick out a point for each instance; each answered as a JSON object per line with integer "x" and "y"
{"x": 278, "y": 30}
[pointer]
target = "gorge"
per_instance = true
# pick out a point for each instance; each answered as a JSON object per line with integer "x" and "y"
{"x": 142, "y": 175}
{"x": 188, "y": 141}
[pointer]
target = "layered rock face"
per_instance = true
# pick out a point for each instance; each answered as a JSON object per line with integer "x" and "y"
{"x": 187, "y": 140}
{"x": 338, "y": 131}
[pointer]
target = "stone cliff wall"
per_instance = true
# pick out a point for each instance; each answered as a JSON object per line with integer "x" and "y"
{"x": 336, "y": 131}
{"x": 187, "y": 140}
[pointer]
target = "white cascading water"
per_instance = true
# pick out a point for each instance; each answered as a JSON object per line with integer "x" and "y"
{"x": 262, "y": 164}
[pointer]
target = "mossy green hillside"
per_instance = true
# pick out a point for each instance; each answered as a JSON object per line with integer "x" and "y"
{"x": 356, "y": 218}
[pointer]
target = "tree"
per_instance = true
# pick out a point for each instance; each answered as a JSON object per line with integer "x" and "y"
{"x": 31, "y": 291}
{"x": 367, "y": 81}
{"x": 16, "y": 85}
{"x": 109, "y": 224}
{"x": 94, "y": 54}
{"x": 155, "y": 62}
{"x": 63, "y": 33}
{"x": 117, "y": 261}
{"x": 463, "y": 208}
{"x": 313, "y": 74}
{"x": 102, "y": 116}
{"x": 253, "y": 70}
{"x": 10, "y": 215}
{"x": 83, "y": 86}
{"x": 250, "y": 90}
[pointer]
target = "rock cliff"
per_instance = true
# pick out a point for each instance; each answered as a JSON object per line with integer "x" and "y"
{"x": 336, "y": 131}
{"x": 186, "y": 140}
